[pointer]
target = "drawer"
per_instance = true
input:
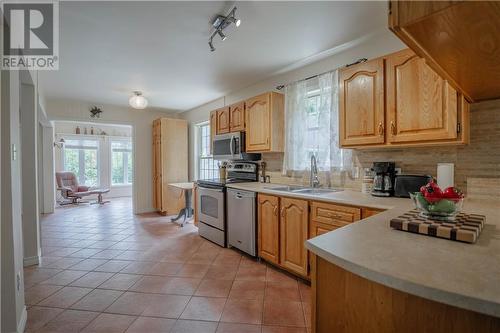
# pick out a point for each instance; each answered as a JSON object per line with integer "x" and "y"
{"x": 316, "y": 228}
{"x": 332, "y": 214}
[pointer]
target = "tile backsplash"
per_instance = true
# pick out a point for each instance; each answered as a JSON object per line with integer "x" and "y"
{"x": 480, "y": 159}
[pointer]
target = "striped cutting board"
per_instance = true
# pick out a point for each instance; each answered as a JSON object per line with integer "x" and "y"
{"x": 466, "y": 227}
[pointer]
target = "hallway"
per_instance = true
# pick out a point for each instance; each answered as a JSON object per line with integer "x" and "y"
{"x": 106, "y": 270}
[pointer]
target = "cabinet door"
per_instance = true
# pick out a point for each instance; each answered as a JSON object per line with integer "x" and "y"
{"x": 223, "y": 120}
{"x": 258, "y": 123}
{"x": 293, "y": 234}
{"x": 421, "y": 106}
{"x": 237, "y": 117}
{"x": 361, "y": 98}
{"x": 268, "y": 220}
{"x": 157, "y": 165}
{"x": 213, "y": 128}
{"x": 317, "y": 229}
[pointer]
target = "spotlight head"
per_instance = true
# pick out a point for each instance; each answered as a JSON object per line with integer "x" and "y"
{"x": 211, "y": 45}
{"x": 221, "y": 34}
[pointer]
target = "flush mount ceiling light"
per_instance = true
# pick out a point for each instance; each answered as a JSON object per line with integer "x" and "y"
{"x": 138, "y": 101}
{"x": 220, "y": 23}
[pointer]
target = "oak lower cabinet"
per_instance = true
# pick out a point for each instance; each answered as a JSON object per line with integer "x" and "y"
{"x": 361, "y": 98}
{"x": 293, "y": 234}
{"x": 264, "y": 123}
{"x": 268, "y": 227}
{"x": 170, "y": 163}
{"x": 223, "y": 123}
{"x": 343, "y": 302}
{"x": 285, "y": 224}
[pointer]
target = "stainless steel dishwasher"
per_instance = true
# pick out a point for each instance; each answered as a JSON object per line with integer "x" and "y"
{"x": 241, "y": 222}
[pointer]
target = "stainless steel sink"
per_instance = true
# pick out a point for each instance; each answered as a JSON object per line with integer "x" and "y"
{"x": 290, "y": 188}
{"x": 317, "y": 191}
{"x": 304, "y": 190}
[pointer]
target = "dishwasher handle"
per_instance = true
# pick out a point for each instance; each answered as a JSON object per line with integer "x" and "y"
{"x": 242, "y": 194}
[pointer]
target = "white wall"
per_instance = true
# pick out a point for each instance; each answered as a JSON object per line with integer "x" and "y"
{"x": 116, "y": 132}
{"x": 370, "y": 47}
{"x": 13, "y": 309}
{"x": 141, "y": 122}
{"x": 29, "y": 169}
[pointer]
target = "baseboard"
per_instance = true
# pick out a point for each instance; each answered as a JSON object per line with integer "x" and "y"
{"x": 145, "y": 210}
{"x": 22, "y": 322}
{"x": 30, "y": 261}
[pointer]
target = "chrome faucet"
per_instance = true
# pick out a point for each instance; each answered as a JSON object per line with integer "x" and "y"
{"x": 314, "y": 180}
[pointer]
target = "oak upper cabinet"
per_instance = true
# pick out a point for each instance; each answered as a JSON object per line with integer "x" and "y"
{"x": 361, "y": 98}
{"x": 459, "y": 39}
{"x": 268, "y": 227}
{"x": 264, "y": 123}
{"x": 237, "y": 117}
{"x": 421, "y": 106}
{"x": 293, "y": 234}
{"x": 223, "y": 120}
{"x": 213, "y": 128}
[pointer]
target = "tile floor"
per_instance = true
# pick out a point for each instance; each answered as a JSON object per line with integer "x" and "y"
{"x": 105, "y": 269}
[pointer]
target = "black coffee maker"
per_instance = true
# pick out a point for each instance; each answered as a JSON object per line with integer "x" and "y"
{"x": 383, "y": 182}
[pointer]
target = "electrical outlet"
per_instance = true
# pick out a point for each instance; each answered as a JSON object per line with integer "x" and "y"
{"x": 398, "y": 171}
{"x": 18, "y": 281}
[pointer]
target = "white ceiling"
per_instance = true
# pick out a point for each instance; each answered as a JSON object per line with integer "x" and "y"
{"x": 109, "y": 49}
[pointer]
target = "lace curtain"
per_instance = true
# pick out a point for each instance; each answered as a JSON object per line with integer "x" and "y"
{"x": 312, "y": 125}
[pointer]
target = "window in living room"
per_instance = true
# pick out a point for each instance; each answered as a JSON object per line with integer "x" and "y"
{"x": 121, "y": 162}
{"x": 81, "y": 157}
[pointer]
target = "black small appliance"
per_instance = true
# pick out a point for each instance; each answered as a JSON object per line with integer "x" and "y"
{"x": 406, "y": 184}
{"x": 383, "y": 182}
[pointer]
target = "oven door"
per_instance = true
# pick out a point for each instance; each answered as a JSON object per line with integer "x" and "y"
{"x": 211, "y": 206}
{"x": 228, "y": 146}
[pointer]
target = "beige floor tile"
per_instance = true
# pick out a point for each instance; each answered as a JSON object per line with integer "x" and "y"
{"x": 151, "y": 325}
{"x": 204, "y": 308}
{"x": 65, "y": 297}
{"x": 109, "y": 323}
{"x": 97, "y": 300}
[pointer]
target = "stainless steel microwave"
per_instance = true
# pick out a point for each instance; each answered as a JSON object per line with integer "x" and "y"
{"x": 229, "y": 146}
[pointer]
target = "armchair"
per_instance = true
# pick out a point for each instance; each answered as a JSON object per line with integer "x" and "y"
{"x": 67, "y": 183}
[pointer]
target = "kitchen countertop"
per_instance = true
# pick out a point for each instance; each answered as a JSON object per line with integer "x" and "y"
{"x": 450, "y": 272}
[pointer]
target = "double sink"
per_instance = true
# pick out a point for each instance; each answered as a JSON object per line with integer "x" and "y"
{"x": 304, "y": 190}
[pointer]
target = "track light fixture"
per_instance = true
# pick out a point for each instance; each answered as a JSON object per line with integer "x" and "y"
{"x": 221, "y": 34}
{"x": 220, "y": 23}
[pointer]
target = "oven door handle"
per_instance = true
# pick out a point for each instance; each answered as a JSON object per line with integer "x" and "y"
{"x": 210, "y": 188}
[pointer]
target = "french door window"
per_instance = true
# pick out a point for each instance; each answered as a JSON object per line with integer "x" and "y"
{"x": 81, "y": 158}
{"x": 121, "y": 162}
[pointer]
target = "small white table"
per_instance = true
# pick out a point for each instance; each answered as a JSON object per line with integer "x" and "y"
{"x": 187, "y": 211}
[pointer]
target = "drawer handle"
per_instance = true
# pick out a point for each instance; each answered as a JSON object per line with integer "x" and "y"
{"x": 393, "y": 128}
{"x": 275, "y": 210}
{"x": 335, "y": 216}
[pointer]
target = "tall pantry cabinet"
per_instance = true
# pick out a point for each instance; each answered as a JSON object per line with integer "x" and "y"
{"x": 170, "y": 163}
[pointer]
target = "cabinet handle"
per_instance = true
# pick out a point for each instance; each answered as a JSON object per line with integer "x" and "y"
{"x": 393, "y": 128}
{"x": 283, "y": 211}
{"x": 276, "y": 210}
{"x": 380, "y": 129}
{"x": 334, "y": 216}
